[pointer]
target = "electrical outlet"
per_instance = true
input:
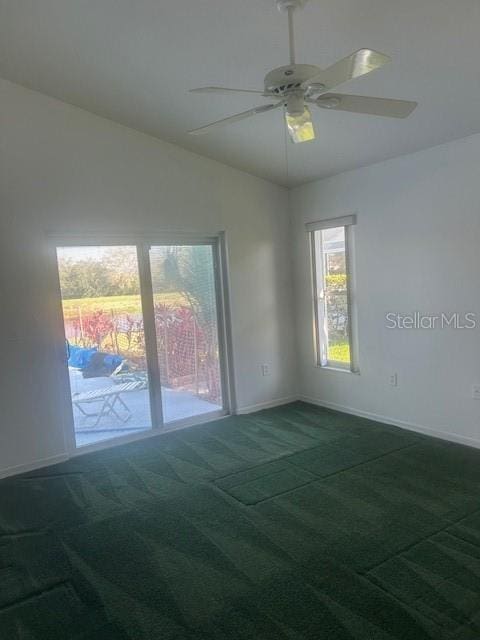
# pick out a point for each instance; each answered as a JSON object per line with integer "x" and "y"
{"x": 476, "y": 391}
{"x": 265, "y": 369}
{"x": 393, "y": 380}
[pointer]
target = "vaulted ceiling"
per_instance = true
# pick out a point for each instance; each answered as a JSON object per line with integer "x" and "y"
{"x": 133, "y": 61}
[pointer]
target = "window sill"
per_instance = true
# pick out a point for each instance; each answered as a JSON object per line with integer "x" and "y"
{"x": 329, "y": 367}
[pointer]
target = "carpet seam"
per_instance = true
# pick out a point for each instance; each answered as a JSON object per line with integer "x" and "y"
{"x": 406, "y": 606}
{"x": 414, "y": 544}
{"x": 39, "y": 592}
{"x": 306, "y": 484}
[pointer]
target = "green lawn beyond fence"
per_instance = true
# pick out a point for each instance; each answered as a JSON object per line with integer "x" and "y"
{"x": 117, "y": 304}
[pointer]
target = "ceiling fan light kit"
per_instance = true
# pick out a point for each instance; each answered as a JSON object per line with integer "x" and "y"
{"x": 300, "y": 127}
{"x": 295, "y": 86}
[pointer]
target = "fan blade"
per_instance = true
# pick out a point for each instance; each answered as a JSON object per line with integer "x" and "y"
{"x": 223, "y": 90}
{"x": 357, "y": 64}
{"x": 239, "y": 116}
{"x": 365, "y": 104}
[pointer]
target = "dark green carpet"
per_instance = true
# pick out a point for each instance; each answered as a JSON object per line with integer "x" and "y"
{"x": 292, "y": 523}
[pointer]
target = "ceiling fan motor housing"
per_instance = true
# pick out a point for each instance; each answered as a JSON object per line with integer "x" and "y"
{"x": 288, "y": 79}
{"x": 295, "y": 104}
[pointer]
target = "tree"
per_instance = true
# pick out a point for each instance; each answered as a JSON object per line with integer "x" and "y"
{"x": 122, "y": 267}
{"x": 83, "y": 279}
{"x": 113, "y": 273}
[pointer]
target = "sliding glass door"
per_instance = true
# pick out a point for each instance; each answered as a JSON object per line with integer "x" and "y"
{"x": 186, "y": 325}
{"x": 104, "y": 329}
{"x": 145, "y": 336}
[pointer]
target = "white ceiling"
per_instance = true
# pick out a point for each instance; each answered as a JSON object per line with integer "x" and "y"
{"x": 133, "y": 61}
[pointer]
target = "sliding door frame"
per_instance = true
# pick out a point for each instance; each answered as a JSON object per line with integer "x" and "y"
{"x": 150, "y": 336}
{"x": 218, "y": 246}
{"x": 224, "y": 323}
{"x": 142, "y": 243}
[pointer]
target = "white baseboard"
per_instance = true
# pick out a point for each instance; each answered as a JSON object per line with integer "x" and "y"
{"x": 410, "y": 426}
{"x": 265, "y": 405}
{"x": 33, "y": 466}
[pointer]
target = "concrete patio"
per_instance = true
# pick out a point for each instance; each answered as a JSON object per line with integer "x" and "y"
{"x": 177, "y": 405}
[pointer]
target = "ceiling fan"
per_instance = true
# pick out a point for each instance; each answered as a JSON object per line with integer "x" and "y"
{"x": 296, "y": 86}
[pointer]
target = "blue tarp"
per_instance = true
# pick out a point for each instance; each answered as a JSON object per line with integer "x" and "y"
{"x": 80, "y": 357}
{"x": 112, "y": 362}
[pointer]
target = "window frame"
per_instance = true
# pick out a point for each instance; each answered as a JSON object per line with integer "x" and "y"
{"x": 317, "y": 274}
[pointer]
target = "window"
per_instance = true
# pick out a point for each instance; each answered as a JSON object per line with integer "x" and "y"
{"x": 332, "y": 292}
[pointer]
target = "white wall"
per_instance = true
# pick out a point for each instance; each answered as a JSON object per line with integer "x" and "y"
{"x": 417, "y": 249}
{"x": 64, "y": 170}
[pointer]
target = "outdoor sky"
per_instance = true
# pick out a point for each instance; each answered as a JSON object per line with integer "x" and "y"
{"x": 83, "y": 253}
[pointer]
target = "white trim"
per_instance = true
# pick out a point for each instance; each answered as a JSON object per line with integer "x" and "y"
{"x": 409, "y": 426}
{"x": 109, "y": 444}
{"x": 270, "y": 404}
{"x": 227, "y": 320}
{"x": 150, "y": 335}
{"x": 129, "y": 238}
{"x": 332, "y": 366}
{"x": 32, "y": 466}
{"x": 331, "y": 223}
{"x": 222, "y": 306}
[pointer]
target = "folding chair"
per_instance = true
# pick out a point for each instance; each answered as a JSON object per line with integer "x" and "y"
{"x": 109, "y": 397}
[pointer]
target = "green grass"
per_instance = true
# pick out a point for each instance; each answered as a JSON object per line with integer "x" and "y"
{"x": 117, "y": 304}
{"x": 339, "y": 352}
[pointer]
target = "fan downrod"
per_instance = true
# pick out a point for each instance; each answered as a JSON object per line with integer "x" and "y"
{"x": 284, "y": 5}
